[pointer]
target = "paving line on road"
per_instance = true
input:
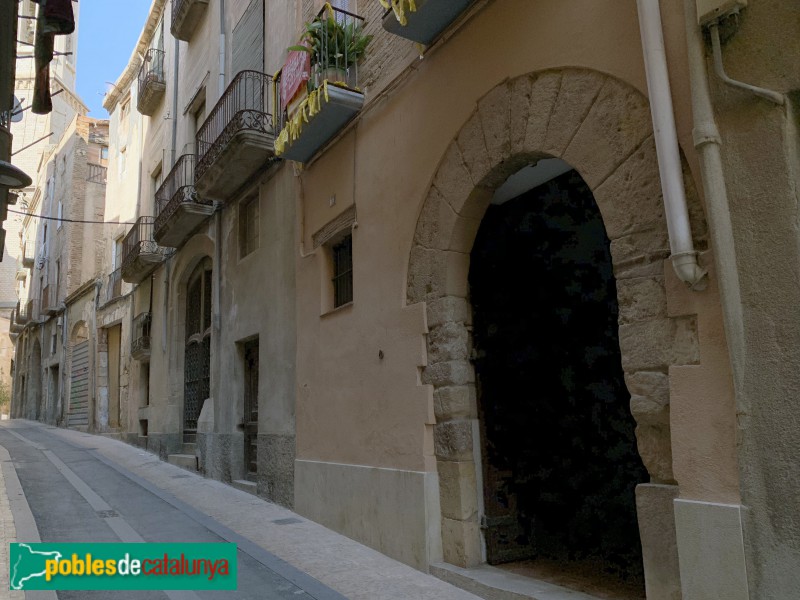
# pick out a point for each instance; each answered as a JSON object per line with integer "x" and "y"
{"x": 311, "y": 586}
{"x": 24, "y": 523}
{"x": 121, "y": 528}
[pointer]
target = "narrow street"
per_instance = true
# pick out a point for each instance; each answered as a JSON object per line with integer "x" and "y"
{"x": 85, "y": 488}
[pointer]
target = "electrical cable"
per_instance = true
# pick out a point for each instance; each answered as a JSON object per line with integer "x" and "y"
{"x": 23, "y": 213}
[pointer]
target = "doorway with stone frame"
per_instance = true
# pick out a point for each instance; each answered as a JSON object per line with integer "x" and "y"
{"x": 559, "y": 457}
{"x": 601, "y": 127}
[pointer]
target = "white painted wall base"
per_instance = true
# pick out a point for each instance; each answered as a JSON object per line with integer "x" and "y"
{"x": 711, "y": 551}
{"x": 393, "y": 511}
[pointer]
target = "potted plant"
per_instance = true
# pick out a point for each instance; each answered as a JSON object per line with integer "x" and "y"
{"x": 334, "y": 45}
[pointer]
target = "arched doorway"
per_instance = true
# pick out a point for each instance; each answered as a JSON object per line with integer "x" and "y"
{"x": 601, "y": 127}
{"x": 197, "y": 350}
{"x": 560, "y": 463}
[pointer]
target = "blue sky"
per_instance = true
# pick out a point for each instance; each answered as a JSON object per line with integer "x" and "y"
{"x": 107, "y": 34}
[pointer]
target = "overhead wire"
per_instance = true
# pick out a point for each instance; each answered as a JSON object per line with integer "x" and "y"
{"x": 26, "y": 214}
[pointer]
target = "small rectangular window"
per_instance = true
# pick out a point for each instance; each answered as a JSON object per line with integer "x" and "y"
{"x": 343, "y": 272}
{"x": 104, "y": 152}
{"x": 60, "y": 214}
{"x": 248, "y": 226}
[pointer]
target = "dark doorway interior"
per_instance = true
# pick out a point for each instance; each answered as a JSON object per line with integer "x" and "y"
{"x": 251, "y": 409}
{"x": 560, "y": 457}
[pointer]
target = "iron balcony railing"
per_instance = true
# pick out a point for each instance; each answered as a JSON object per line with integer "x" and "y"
{"x": 97, "y": 174}
{"x": 114, "y": 285}
{"x": 244, "y": 106}
{"x": 336, "y": 42}
{"x": 152, "y": 69}
{"x": 139, "y": 241}
{"x": 177, "y": 189}
{"x": 140, "y": 344}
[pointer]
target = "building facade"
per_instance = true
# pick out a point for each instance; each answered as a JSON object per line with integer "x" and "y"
{"x": 34, "y": 136}
{"x": 469, "y": 282}
{"x": 65, "y": 230}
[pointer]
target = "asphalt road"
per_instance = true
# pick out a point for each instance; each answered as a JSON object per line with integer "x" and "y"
{"x": 75, "y": 496}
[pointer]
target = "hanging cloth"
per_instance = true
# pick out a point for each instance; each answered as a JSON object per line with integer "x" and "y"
{"x": 55, "y": 18}
{"x": 58, "y": 16}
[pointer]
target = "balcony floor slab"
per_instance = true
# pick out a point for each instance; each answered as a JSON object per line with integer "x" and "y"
{"x": 241, "y": 158}
{"x": 430, "y": 19}
{"x": 182, "y": 223}
{"x": 185, "y": 22}
{"x": 342, "y": 105}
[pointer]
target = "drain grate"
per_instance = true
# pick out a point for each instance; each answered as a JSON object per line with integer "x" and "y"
{"x": 289, "y": 521}
{"x": 107, "y": 514}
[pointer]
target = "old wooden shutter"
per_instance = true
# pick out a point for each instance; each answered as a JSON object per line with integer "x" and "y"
{"x": 79, "y": 386}
{"x": 248, "y": 40}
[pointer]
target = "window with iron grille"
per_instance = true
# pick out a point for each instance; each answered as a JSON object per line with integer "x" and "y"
{"x": 248, "y": 226}
{"x": 343, "y": 272}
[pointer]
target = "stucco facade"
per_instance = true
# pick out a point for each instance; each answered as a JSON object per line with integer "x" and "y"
{"x": 371, "y": 413}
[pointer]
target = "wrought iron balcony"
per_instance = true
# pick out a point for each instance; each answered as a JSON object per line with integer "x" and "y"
{"x": 140, "y": 340}
{"x": 28, "y": 254}
{"x": 179, "y": 210}
{"x": 237, "y": 138}
{"x": 426, "y": 22}
{"x": 152, "y": 84}
{"x": 27, "y": 311}
{"x": 186, "y": 14}
{"x": 114, "y": 285}
{"x": 97, "y": 174}
{"x": 312, "y": 114}
{"x": 140, "y": 252}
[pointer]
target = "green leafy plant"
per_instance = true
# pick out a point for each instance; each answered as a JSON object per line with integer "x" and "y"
{"x": 333, "y": 44}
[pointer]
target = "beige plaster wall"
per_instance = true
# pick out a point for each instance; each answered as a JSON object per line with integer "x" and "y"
{"x": 356, "y": 408}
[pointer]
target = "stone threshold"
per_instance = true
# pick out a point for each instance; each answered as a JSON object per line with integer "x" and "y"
{"x": 495, "y": 584}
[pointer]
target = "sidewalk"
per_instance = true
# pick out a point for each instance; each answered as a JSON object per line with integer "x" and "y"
{"x": 8, "y": 532}
{"x": 350, "y": 568}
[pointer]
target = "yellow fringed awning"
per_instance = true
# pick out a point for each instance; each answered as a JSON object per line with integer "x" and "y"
{"x": 399, "y": 8}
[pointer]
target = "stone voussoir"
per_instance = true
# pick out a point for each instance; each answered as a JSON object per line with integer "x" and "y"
{"x": 654, "y": 345}
{"x": 543, "y": 94}
{"x": 617, "y": 124}
{"x": 454, "y": 372}
{"x": 453, "y": 441}
{"x": 495, "y": 117}
{"x": 575, "y": 98}
{"x": 472, "y": 144}
{"x": 447, "y": 342}
{"x": 455, "y": 402}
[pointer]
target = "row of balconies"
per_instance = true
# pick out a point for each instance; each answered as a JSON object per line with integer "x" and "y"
{"x": 260, "y": 118}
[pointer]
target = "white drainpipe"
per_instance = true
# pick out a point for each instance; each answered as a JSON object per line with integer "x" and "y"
{"x": 683, "y": 254}
{"x": 221, "y": 47}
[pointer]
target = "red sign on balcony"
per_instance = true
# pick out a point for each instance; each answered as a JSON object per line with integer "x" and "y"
{"x": 296, "y": 72}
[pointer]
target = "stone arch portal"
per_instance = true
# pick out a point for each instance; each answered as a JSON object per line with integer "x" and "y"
{"x": 601, "y": 127}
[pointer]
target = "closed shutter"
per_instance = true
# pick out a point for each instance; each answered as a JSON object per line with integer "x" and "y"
{"x": 79, "y": 386}
{"x": 248, "y": 40}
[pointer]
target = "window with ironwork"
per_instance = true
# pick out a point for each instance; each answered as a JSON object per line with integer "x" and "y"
{"x": 342, "y": 254}
{"x": 197, "y": 358}
{"x": 248, "y": 226}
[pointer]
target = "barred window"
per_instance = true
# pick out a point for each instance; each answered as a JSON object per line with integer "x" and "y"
{"x": 343, "y": 272}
